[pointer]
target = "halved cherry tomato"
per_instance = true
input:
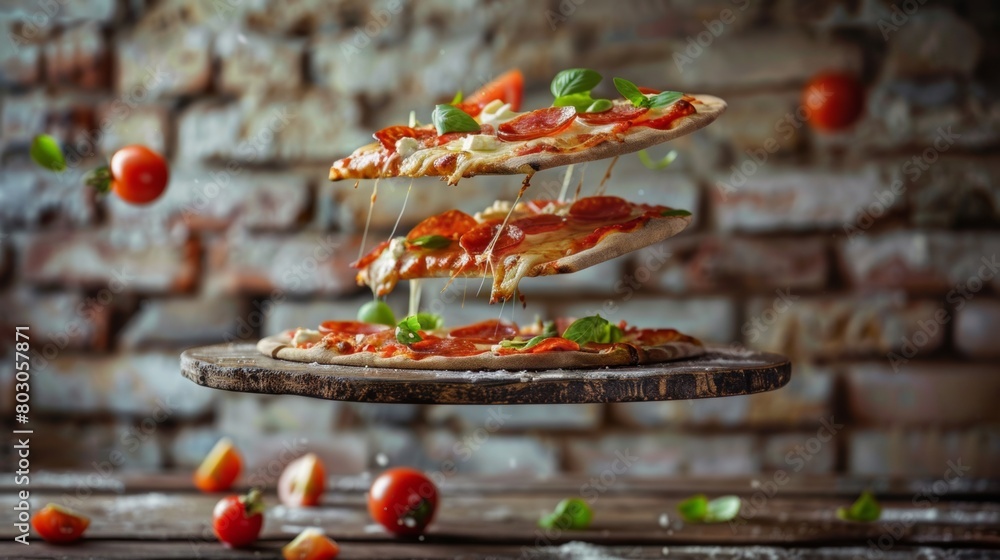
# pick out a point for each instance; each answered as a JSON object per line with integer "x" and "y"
{"x": 350, "y": 327}
{"x": 389, "y": 136}
{"x": 237, "y": 520}
{"x": 220, "y": 468}
{"x": 536, "y": 124}
{"x": 508, "y": 87}
{"x": 834, "y": 100}
{"x": 600, "y": 208}
{"x": 59, "y": 525}
{"x": 311, "y": 544}
{"x": 554, "y": 344}
{"x": 619, "y": 113}
{"x": 403, "y": 501}
{"x": 490, "y": 331}
{"x": 478, "y": 239}
{"x": 539, "y": 224}
{"x": 451, "y": 224}
{"x": 139, "y": 175}
{"x": 302, "y": 482}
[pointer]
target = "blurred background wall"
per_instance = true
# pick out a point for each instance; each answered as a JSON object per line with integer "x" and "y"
{"x": 868, "y": 256}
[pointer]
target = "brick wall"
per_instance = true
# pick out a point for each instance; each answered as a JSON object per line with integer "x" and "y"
{"x": 867, "y": 256}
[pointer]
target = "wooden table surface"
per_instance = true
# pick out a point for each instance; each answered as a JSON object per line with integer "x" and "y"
{"x": 162, "y": 516}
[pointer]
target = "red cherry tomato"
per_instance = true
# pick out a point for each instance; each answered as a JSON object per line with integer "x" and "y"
{"x": 403, "y": 501}
{"x": 508, "y": 87}
{"x": 834, "y": 100}
{"x": 311, "y": 544}
{"x": 237, "y": 520}
{"x": 536, "y": 124}
{"x": 59, "y": 525}
{"x": 139, "y": 175}
{"x": 219, "y": 469}
{"x": 302, "y": 482}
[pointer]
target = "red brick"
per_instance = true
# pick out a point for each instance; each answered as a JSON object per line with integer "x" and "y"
{"x": 22, "y": 117}
{"x": 255, "y": 64}
{"x": 665, "y": 454}
{"x": 710, "y": 263}
{"x": 62, "y": 321}
{"x": 123, "y": 125}
{"x": 78, "y": 57}
{"x": 770, "y": 199}
{"x": 483, "y": 452}
{"x": 33, "y": 197}
{"x": 281, "y": 265}
{"x": 152, "y": 64}
{"x": 755, "y": 121}
{"x": 302, "y": 16}
{"x": 20, "y": 59}
{"x": 249, "y": 414}
{"x": 805, "y": 401}
{"x": 215, "y": 199}
{"x": 923, "y": 394}
{"x": 937, "y": 261}
{"x": 182, "y": 322}
{"x": 145, "y": 385}
{"x": 954, "y": 191}
{"x": 119, "y": 260}
{"x": 507, "y": 418}
{"x": 806, "y": 452}
{"x": 932, "y": 43}
{"x": 834, "y": 327}
{"x": 975, "y": 329}
{"x": 927, "y": 452}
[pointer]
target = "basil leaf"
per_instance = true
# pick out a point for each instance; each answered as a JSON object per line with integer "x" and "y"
{"x": 457, "y": 99}
{"x": 525, "y": 344}
{"x": 675, "y": 213}
{"x": 657, "y": 165}
{"x": 664, "y": 98}
{"x": 570, "y": 514}
{"x": 599, "y": 106}
{"x": 592, "y": 329}
{"x": 429, "y": 321}
{"x": 448, "y": 118}
{"x": 580, "y": 101}
{"x": 694, "y": 508}
{"x": 574, "y": 80}
{"x": 45, "y": 151}
{"x": 631, "y": 92}
{"x": 549, "y": 328}
{"x": 865, "y": 509}
{"x": 407, "y": 331}
{"x": 723, "y": 508}
{"x": 431, "y": 242}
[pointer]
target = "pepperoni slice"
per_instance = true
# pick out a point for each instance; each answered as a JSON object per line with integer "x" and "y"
{"x": 490, "y": 331}
{"x": 477, "y": 240}
{"x": 536, "y": 124}
{"x": 665, "y": 122}
{"x": 388, "y": 136}
{"x": 437, "y": 346}
{"x": 595, "y": 208}
{"x": 451, "y": 224}
{"x": 554, "y": 344}
{"x": 350, "y": 327}
{"x": 539, "y": 224}
{"x": 619, "y": 113}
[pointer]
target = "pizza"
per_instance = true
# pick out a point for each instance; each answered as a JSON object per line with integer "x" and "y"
{"x": 421, "y": 341}
{"x": 487, "y": 133}
{"x": 511, "y": 241}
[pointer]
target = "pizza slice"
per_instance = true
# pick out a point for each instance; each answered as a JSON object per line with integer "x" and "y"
{"x": 487, "y": 134}
{"x": 510, "y": 242}
{"x": 421, "y": 341}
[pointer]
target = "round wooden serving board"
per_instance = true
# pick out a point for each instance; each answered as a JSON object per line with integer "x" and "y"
{"x": 721, "y": 372}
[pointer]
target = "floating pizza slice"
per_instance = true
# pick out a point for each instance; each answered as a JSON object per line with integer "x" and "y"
{"x": 536, "y": 238}
{"x": 421, "y": 341}
{"x": 487, "y": 134}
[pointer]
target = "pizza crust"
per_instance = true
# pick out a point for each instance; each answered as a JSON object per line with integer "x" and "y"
{"x": 637, "y": 138}
{"x": 278, "y": 347}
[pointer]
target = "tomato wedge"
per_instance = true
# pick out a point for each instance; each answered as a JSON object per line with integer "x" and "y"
{"x": 508, "y": 87}
{"x": 311, "y": 544}
{"x": 219, "y": 469}
{"x": 477, "y": 240}
{"x": 536, "y": 124}
{"x": 539, "y": 224}
{"x": 618, "y": 113}
{"x": 302, "y": 482}
{"x": 593, "y": 208}
{"x": 58, "y": 524}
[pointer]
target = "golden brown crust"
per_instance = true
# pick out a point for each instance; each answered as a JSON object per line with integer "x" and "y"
{"x": 278, "y": 346}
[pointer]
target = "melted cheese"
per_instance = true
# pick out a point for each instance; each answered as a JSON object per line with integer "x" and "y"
{"x": 303, "y": 336}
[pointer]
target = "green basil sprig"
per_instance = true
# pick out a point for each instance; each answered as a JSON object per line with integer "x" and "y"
{"x": 571, "y": 514}
{"x": 865, "y": 509}
{"x": 45, "y": 151}
{"x": 592, "y": 329}
{"x": 631, "y": 92}
{"x": 407, "y": 331}
{"x": 698, "y": 509}
{"x": 548, "y": 331}
{"x": 448, "y": 118}
{"x": 675, "y": 213}
{"x": 572, "y": 87}
{"x": 431, "y": 242}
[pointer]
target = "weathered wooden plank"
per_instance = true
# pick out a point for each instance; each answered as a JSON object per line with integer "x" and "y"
{"x": 721, "y": 372}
